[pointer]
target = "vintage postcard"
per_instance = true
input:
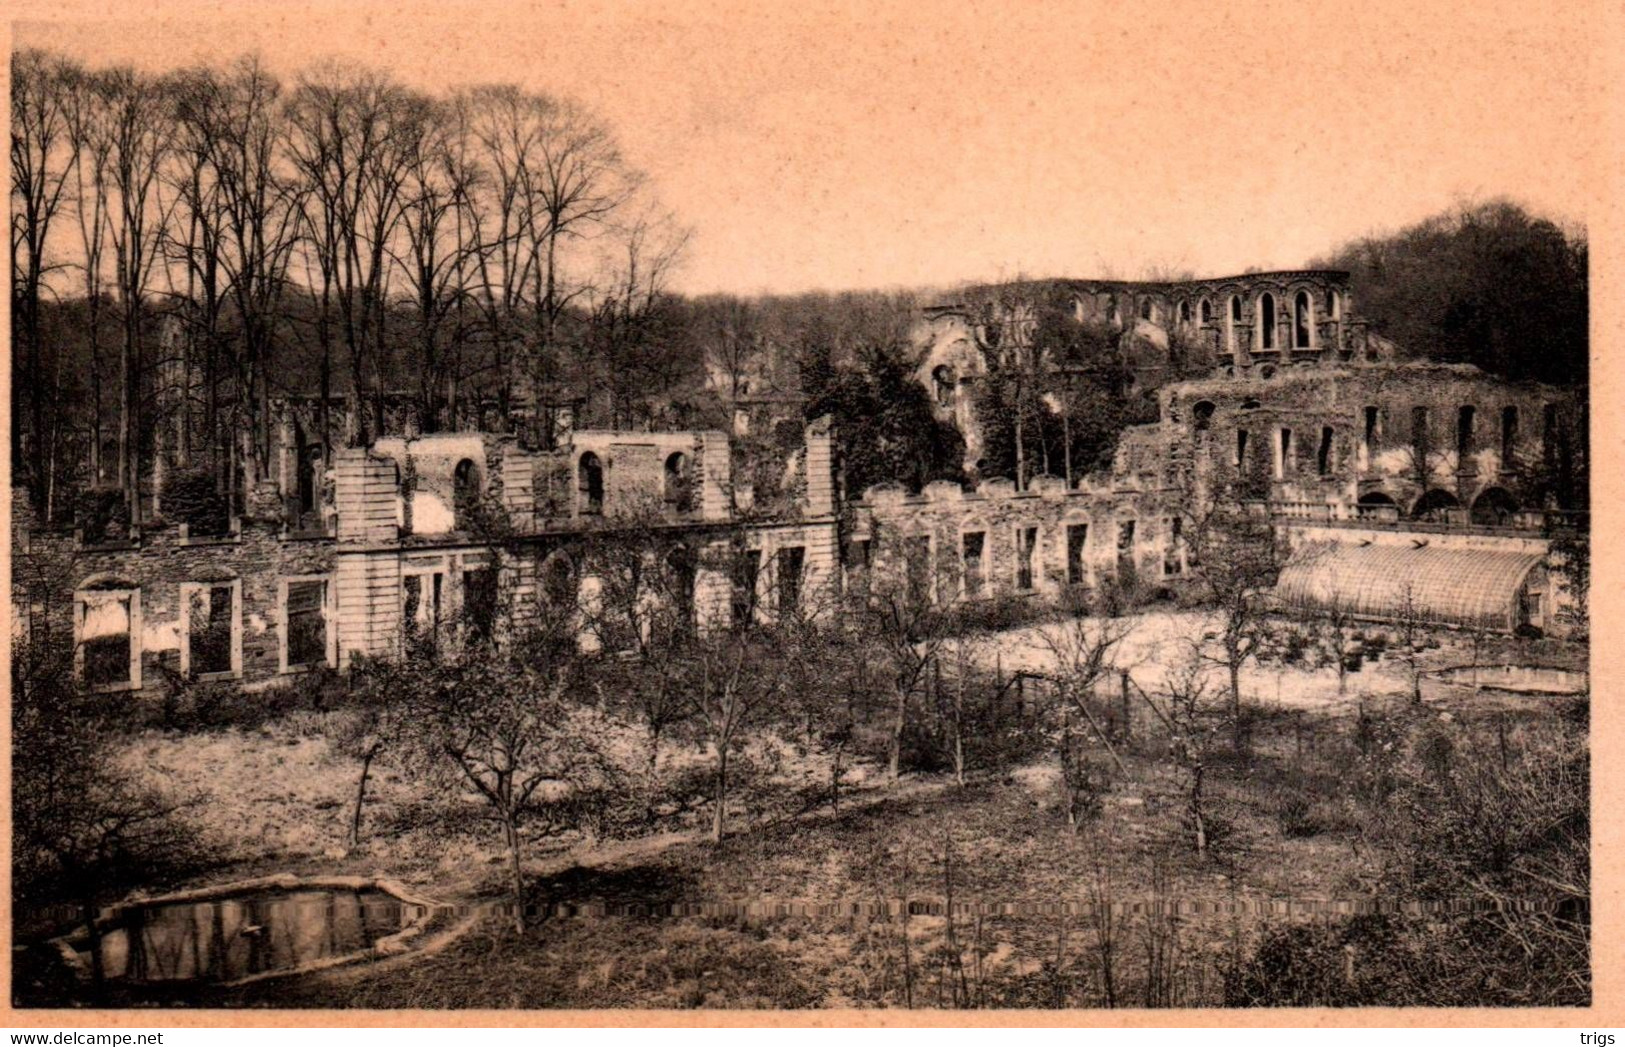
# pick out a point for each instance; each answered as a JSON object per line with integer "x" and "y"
{"x": 835, "y": 514}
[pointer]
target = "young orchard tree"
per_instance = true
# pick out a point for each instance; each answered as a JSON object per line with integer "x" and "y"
{"x": 734, "y": 686}
{"x": 824, "y": 672}
{"x": 1413, "y": 631}
{"x": 1192, "y": 722}
{"x": 900, "y": 617}
{"x": 506, "y": 728}
{"x": 1331, "y": 630}
{"x": 645, "y": 607}
{"x": 377, "y": 723}
{"x": 1082, "y": 644}
{"x": 1241, "y": 556}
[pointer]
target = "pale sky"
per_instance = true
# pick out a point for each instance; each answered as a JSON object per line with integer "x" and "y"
{"x": 816, "y": 145}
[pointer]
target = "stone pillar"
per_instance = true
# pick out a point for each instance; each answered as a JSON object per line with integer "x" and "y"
{"x": 715, "y": 474}
{"x": 365, "y": 495}
{"x": 820, "y": 465}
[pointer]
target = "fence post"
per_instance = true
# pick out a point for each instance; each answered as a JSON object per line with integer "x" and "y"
{"x": 1128, "y": 710}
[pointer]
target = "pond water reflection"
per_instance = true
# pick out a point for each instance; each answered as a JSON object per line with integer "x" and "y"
{"x": 228, "y": 938}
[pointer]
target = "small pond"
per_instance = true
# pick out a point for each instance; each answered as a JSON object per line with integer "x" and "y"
{"x": 226, "y": 939}
{"x": 1519, "y": 679}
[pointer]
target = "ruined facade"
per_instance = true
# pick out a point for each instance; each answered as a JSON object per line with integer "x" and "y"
{"x": 1395, "y": 471}
{"x": 1429, "y": 485}
{"x": 1240, "y": 327}
{"x": 437, "y": 539}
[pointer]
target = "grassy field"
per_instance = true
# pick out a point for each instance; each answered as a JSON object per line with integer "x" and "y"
{"x": 931, "y": 894}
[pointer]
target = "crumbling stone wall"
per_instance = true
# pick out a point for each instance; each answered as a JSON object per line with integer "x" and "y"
{"x": 1382, "y": 435}
{"x": 888, "y": 517}
{"x": 49, "y": 568}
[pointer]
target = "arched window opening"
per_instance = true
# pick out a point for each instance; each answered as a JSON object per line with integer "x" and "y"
{"x": 1494, "y": 508}
{"x": 1375, "y": 498}
{"x": 1250, "y": 404}
{"x": 310, "y": 483}
{"x": 590, "y": 485}
{"x": 1435, "y": 506}
{"x": 1202, "y": 413}
{"x": 1206, "y": 311}
{"x": 1266, "y": 321}
{"x": 942, "y": 383}
{"x": 559, "y": 581}
{"x": 464, "y": 491}
{"x": 1184, "y": 311}
{"x": 1509, "y": 437}
{"x": 1145, "y": 308}
{"x": 1334, "y": 305}
{"x": 679, "y": 486}
{"x": 1303, "y": 321}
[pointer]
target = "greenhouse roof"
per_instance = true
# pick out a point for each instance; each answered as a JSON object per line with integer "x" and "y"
{"x": 1464, "y": 587}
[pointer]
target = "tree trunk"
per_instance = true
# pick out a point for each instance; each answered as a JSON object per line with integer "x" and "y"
{"x": 1197, "y": 821}
{"x": 98, "y": 970}
{"x": 1235, "y": 702}
{"x": 722, "y": 793}
{"x": 361, "y": 796}
{"x": 511, "y": 832}
{"x": 899, "y": 721}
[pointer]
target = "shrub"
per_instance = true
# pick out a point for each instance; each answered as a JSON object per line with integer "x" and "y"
{"x": 190, "y": 497}
{"x": 100, "y": 514}
{"x": 1296, "y": 817}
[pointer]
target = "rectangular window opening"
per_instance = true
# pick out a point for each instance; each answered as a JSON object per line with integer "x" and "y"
{"x": 306, "y": 637}
{"x": 109, "y": 640}
{"x": 479, "y": 603}
{"x": 742, "y": 599}
{"x": 1026, "y": 543}
{"x": 1173, "y": 557}
{"x": 1077, "y": 537}
{"x": 917, "y": 552}
{"x": 972, "y": 549}
{"x": 792, "y": 561}
{"x": 211, "y": 630}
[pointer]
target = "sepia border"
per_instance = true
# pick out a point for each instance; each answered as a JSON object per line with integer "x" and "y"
{"x": 1596, "y": 28}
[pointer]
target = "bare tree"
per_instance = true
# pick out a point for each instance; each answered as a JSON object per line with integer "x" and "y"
{"x": 441, "y": 252}
{"x": 1413, "y": 633}
{"x": 734, "y": 688}
{"x": 87, "y": 125}
{"x": 44, "y": 153}
{"x": 140, "y": 142}
{"x": 506, "y": 728}
{"x": 1192, "y": 726}
{"x": 1082, "y": 644}
{"x": 351, "y": 138}
{"x": 1240, "y": 557}
{"x": 246, "y": 201}
{"x": 630, "y": 328}
{"x": 899, "y": 615}
{"x": 578, "y": 180}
